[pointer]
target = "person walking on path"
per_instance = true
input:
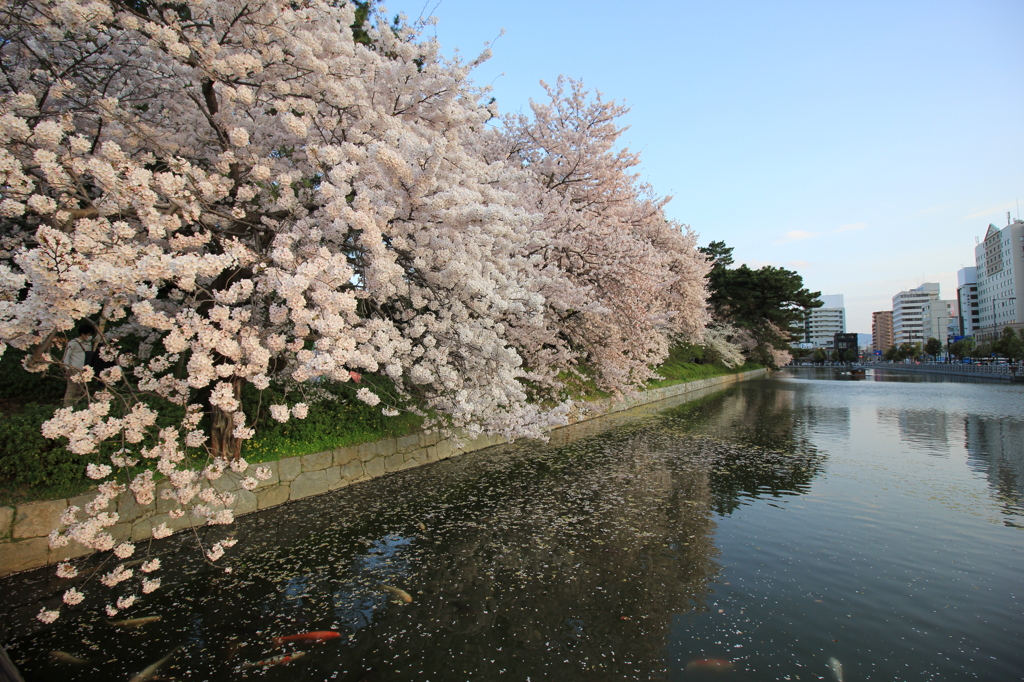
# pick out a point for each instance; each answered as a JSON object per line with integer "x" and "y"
{"x": 74, "y": 361}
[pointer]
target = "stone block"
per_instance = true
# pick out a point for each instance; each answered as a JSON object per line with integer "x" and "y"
{"x": 72, "y": 550}
{"x": 429, "y": 454}
{"x": 365, "y": 452}
{"x": 23, "y": 555}
{"x": 409, "y": 463}
{"x": 164, "y": 505}
{"x": 394, "y": 462}
{"x": 130, "y": 511}
{"x": 141, "y": 530}
{"x": 387, "y": 447}
{"x": 309, "y": 483}
{"x": 81, "y": 500}
{"x": 228, "y": 481}
{"x": 374, "y": 468}
{"x": 353, "y": 471}
{"x": 177, "y": 524}
{"x": 120, "y": 532}
{"x": 317, "y": 461}
{"x": 6, "y": 521}
{"x": 289, "y": 469}
{"x": 334, "y": 478}
{"x": 342, "y": 456}
{"x": 445, "y": 449}
{"x": 271, "y": 497}
{"x": 246, "y": 503}
{"x": 408, "y": 443}
{"x": 37, "y": 519}
{"x": 274, "y": 478}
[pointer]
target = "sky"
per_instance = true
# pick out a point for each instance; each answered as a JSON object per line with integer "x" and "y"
{"x": 866, "y": 145}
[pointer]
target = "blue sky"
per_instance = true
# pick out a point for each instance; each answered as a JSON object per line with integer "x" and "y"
{"x": 865, "y": 144}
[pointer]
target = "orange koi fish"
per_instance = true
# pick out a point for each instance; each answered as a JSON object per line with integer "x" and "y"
{"x": 716, "y": 665}
{"x": 318, "y": 636}
{"x": 283, "y": 659}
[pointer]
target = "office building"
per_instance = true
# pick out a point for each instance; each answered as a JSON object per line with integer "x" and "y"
{"x": 935, "y": 319}
{"x": 999, "y": 259}
{"x": 967, "y": 301}
{"x": 907, "y": 313}
{"x": 846, "y": 344}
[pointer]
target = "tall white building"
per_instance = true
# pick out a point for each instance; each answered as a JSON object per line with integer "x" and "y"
{"x": 822, "y": 324}
{"x": 967, "y": 301}
{"x": 908, "y": 313}
{"x": 1000, "y": 262}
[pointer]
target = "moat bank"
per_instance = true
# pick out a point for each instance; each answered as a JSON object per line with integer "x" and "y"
{"x": 24, "y": 528}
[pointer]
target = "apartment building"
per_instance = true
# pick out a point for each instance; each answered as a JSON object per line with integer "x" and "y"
{"x": 881, "y": 331}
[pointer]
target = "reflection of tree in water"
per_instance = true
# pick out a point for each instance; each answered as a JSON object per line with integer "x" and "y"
{"x": 752, "y": 445}
{"x": 995, "y": 449}
{"x": 542, "y": 561}
{"x": 575, "y": 570}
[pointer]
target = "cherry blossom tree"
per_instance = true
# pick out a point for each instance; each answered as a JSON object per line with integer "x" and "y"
{"x": 633, "y": 280}
{"x": 250, "y": 195}
{"x": 240, "y": 193}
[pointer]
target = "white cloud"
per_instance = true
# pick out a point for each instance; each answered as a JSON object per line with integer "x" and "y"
{"x": 992, "y": 209}
{"x": 851, "y": 227}
{"x": 795, "y": 235}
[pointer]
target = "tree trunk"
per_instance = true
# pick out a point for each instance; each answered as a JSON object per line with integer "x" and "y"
{"x": 222, "y": 426}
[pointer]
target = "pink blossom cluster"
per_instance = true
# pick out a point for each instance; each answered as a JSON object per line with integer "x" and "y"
{"x": 254, "y": 196}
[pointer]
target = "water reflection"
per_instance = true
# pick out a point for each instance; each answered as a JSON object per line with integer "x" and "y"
{"x": 769, "y": 527}
{"x": 927, "y": 430}
{"x": 530, "y": 560}
{"x": 995, "y": 449}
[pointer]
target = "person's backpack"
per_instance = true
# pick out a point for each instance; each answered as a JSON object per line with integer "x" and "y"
{"x": 93, "y": 359}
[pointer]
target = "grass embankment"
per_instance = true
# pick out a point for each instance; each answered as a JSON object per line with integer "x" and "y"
{"x": 34, "y": 468}
{"x": 677, "y": 370}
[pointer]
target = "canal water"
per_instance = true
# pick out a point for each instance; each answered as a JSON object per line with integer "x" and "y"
{"x": 803, "y": 527}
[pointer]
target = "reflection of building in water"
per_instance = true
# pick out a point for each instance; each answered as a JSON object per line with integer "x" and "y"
{"x": 995, "y": 449}
{"x": 927, "y": 430}
{"x": 834, "y": 419}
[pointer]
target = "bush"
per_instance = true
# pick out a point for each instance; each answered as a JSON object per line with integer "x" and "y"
{"x": 27, "y": 460}
{"x": 336, "y": 419}
{"x": 17, "y": 384}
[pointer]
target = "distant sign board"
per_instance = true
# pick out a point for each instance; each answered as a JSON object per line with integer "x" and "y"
{"x": 878, "y": 352}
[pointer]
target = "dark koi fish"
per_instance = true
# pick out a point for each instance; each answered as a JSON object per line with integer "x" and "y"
{"x": 318, "y": 636}
{"x": 65, "y": 657}
{"x": 716, "y": 665}
{"x": 134, "y": 623}
{"x": 283, "y": 659}
{"x": 149, "y": 672}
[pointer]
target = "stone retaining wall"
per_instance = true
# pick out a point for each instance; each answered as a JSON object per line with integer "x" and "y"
{"x": 24, "y": 529}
